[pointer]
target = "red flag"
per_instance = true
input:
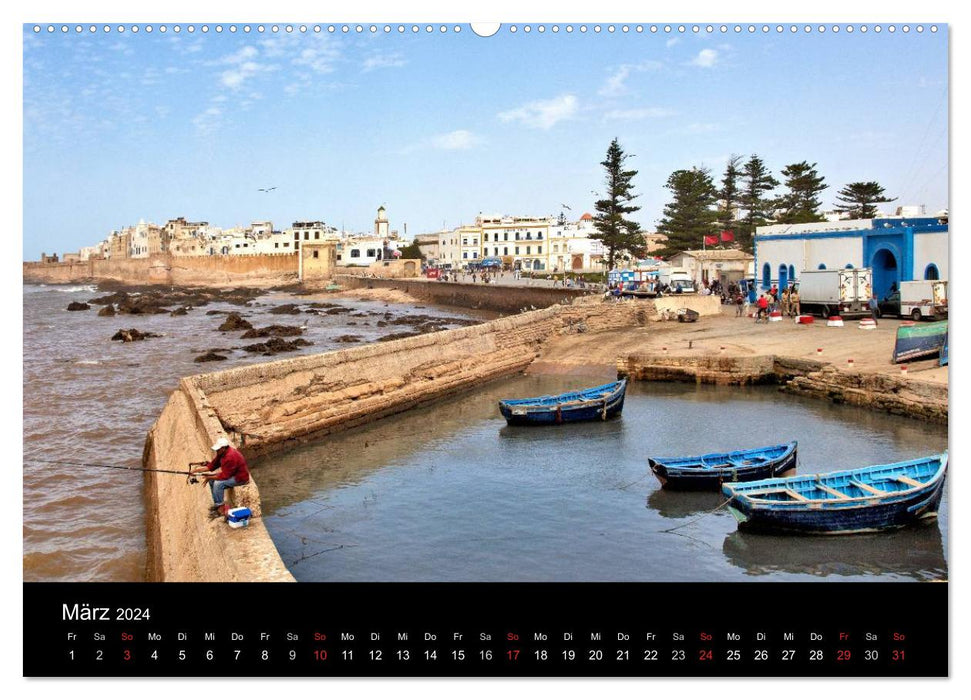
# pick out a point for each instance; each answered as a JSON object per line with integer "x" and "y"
{"x": 728, "y": 236}
{"x": 711, "y": 240}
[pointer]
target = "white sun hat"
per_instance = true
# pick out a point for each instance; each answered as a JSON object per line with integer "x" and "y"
{"x": 220, "y": 443}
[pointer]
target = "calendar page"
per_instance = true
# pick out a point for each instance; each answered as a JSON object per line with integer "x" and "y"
{"x": 523, "y": 349}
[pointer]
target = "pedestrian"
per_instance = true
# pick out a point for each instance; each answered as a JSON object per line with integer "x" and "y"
{"x": 232, "y": 472}
{"x": 763, "y": 308}
{"x": 874, "y": 309}
{"x": 785, "y": 301}
{"x": 794, "y": 302}
{"x": 739, "y": 301}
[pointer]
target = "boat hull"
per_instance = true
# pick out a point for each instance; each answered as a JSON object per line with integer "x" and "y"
{"x": 589, "y": 411}
{"x": 697, "y": 479}
{"x": 838, "y": 517}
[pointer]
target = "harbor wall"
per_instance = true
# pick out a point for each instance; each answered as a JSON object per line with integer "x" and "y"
{"x": 275, "y": 405}
{"x": 168, "y": 269}
{"x": 820, "y": 380}
{"x": 495, "y": 297}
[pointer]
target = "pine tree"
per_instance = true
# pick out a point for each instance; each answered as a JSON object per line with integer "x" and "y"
{"x": 690, "y": 215}
{"x": 857, "y": 199}
{"x": 800, "y": 205}
{"x": 757, "y": 182}
{"x": 730, "y": 195}
{"x": 617, "y": 233}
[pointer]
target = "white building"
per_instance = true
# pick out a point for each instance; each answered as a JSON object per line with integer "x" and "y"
{"x": 896, "y": 249}
{"x": 572, "y": 249}
{"x": 724, "y": 266}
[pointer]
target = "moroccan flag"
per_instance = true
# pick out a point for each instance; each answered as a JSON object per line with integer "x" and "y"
{"x": 728, "y": 236}
{"x": 711, "y": 240}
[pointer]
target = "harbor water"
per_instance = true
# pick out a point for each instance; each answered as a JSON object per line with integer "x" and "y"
{"x": 93, "y": 400}
{"x": 451, "y": 493}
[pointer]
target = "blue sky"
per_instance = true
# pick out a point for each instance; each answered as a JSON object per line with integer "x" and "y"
{"x": 439, "y": 127}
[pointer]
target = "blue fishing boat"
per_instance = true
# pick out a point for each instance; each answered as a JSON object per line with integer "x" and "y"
{"x": 596, "y": 403}
{"x": 919, "y": 341}
{"x": 869, "y": 499}
{"x": 708, "y": 472}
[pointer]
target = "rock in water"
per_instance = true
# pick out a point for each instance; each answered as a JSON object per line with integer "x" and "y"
{"x": 77, "y": 306}
{"x": 210, "y": 356}
{"x": 132, "y": 334}
{"x": 274, "y": 330}
{"x": 109, "y": 310}
{"x": 181, "y": 311}
{"x": 235, "y": 322}
{"x": 285, "y": 309}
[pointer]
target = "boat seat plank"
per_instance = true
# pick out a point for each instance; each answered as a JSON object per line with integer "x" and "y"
{"x": 910, "y": 482}
{"x": 795, "y": 496}
{"x": 868, "y": 488}
{"x": 833, "y": 492}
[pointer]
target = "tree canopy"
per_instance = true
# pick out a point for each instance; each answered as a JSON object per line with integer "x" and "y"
{"x": 757, "y": 182}
{"x": 857, "y": 199}
{"x": 617, "y": 233}
{"x": 690, "y": 215}
{"x": 800, "y": 205}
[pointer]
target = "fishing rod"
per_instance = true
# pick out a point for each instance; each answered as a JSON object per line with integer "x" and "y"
{"x": 190, "y": 476}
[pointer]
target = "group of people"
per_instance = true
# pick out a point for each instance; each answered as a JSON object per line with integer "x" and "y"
{"x": 787, "y": 303}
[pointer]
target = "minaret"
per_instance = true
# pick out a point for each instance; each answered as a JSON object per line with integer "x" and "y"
{"x": 381, "y": 224}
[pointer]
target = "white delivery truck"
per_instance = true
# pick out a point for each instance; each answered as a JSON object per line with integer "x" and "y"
{"x": 675, "y": 277}
{"x": 918, "y": 299}
{"x": 844, "y": 292}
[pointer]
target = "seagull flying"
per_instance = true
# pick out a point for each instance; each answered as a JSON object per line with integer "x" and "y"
{"x": 266, "y": 189}
{"x": 566, "y": 207}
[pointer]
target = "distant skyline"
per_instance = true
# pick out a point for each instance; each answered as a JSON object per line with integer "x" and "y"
{"x": 437, "y": 127}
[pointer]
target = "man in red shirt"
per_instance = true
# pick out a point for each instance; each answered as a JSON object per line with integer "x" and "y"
{"x": 763, "y": 308}
{"x": 232, "y": 472}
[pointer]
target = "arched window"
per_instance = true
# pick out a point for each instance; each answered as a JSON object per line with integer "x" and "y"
{"x": 792, "y": 273}
{"x": 849, "y": 266}
{"x": 821, "y": 266}
{"x": 766, "y": 276}
{"x": 931, "y": 272}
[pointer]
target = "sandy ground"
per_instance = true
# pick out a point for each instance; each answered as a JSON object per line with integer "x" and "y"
{"x": 870, "y": 350}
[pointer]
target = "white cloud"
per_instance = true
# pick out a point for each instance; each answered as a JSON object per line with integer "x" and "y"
{"x": 635, "y": 114}
{"x": 208, "y": 120}
{"x": 616, "y": 83}
{"x": 393, "y": 60}
{"x": 459, "y": 140}
{"x": 543, "y": 114}
{"x": 319, "y": 59}
{"x": 706, "y": 58}
{"x": 671, "y": 42}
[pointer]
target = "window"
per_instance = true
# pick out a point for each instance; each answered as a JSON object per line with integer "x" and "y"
{"x": 505, "y": 250}
{"x": 370, "y": 252}
{"x": 931, "y": 272}
{"x": 316, "y": 253}
{"x": 465, "y": 241}
{"x": 766, "y": 276}
{"x": 539, "y": 250}
{"x": 792, "y": 273}
{"x": 495, "y": 251}
{"x": 528, "y": 250}
{"x": 355, "y": 252}
{"x": 517, "y": 250}
{"x": 296, "y": 235}
{"x": 540, "y": 235}
{"x": 306, "y": 235}
{"x": 517, "y": 235}
{"x": 474, "y": 255}
{"x": 505, "y": 236}
{"x": 316, "y": 236}
{"x": 296, "y": 245}
{"x": 276, "y": 245}
{"x": 465, "y": 255}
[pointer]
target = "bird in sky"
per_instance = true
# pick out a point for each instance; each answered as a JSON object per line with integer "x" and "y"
{"x": 566, "y": 207}
{"x": 266, "y": 189}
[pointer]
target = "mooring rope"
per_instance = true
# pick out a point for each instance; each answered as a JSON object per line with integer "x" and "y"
{"x": 707, "y": 512}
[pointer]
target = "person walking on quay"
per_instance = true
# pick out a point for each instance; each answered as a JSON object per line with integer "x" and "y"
{"x": 233, "y": 471}
{"x": 739, "y": 303}
{"x": 874, "y": 309}
{"x": 785, "y": 302}
{"x": 794, "y": 302}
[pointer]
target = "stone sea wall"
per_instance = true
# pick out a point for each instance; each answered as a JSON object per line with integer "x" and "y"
{"x": 275, "y": 405}
{"x": 820, "y": 380}
{"x": 495, "y": 297}
{"x": 167, "y": 269}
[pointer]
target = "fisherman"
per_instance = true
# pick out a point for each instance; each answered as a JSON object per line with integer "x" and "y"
{"x": 232, "y": 472}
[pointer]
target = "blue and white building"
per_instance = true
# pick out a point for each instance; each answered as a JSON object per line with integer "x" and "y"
{"x": 896, "y": 249}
